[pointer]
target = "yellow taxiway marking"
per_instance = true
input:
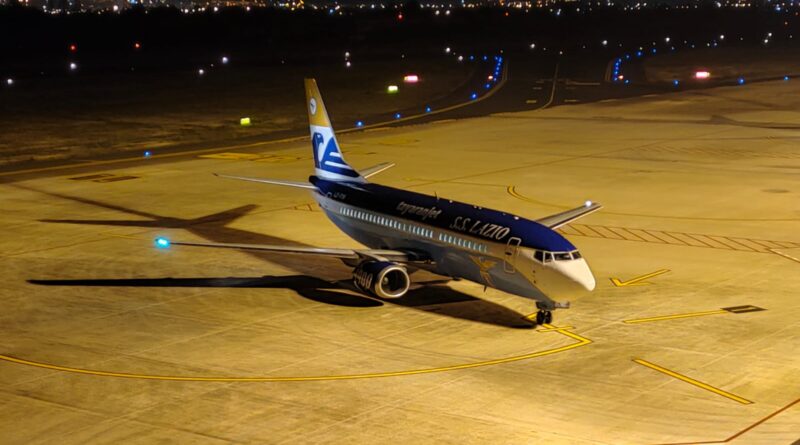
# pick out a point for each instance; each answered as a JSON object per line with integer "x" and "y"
{"x": 672, "y": 317}
{"x": 692, "y": 381}
{"x": 638, "y": 281}
{"x": 579, "y": 341}
{"x": 257, "y": 144}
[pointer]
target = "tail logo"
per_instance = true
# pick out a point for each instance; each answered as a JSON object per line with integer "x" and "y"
{"x": 312, "y": 106}
{"x": 328, "y": 158}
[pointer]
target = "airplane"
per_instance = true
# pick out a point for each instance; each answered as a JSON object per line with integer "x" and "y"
{"x": 406, "y": 231}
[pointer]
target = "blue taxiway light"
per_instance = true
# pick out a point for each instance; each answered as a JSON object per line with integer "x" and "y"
{"x": 485, "y": 58}
{"x": 627, "y": 81}
{"x": 488, "y": 86}
{"x": 473, "y": 96}
{"x": 785, "y": 77}
{"x": 162, "y": 243}
{"x": 627, "y": 56}
{"x": 675, "y": 82}
{"x": 741, "y": 81}
{"x": 427, "y": 109}
{"x": 147, "y": 154}
{"x": 359, "y": 123}
{"x": 398, "y": 115}
{"x": 638, "y": 54}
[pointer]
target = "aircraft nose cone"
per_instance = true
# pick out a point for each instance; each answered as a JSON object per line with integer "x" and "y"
{"x": 579, "y": 272}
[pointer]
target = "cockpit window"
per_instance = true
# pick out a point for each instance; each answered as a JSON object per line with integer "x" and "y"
{"x": 576, "y": 255}
{"x": 562, "y": 256}
{"x": 539, "y": 255}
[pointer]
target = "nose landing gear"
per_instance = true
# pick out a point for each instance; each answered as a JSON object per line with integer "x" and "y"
{"x": 544, "y": 316}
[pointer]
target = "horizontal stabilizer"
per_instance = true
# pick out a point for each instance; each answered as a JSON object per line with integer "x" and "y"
{"x": 375, "y": 169}
{"x": 298, "y": 184}
{"x": 564, "y": 218}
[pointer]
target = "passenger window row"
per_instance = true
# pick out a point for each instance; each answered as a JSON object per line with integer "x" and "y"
{"x": 388, "y": 222}
{"x": 460, "y": 242}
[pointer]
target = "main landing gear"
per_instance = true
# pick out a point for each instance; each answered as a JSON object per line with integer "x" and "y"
{"x": 544, "y": 316}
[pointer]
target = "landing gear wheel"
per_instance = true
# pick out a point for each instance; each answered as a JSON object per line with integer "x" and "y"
{"x": 540, "y": 317}
{"x": 548, "y": 317}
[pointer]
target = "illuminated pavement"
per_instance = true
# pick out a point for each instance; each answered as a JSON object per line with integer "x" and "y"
{"x": 691, "y": 335}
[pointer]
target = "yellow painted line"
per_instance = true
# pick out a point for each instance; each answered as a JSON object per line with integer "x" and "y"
{"x": 549, "y": 328}
{"x": 257, "y": 144}
{"x": 692, "y": 381}
{"x": 638, "y": 280}
{"x": 579, "y": 341}
{"x": 672, "y": 317}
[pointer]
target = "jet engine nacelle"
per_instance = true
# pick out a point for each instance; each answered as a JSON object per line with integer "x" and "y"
{"x": 383, "y": 279}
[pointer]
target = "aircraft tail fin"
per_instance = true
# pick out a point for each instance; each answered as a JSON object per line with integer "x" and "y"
{"x": 328, "y": 160}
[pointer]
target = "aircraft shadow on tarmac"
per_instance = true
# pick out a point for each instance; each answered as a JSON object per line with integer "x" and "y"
{"x": 320, "y": 280}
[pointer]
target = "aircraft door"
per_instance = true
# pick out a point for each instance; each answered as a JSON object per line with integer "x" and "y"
{"x": 510, "y": 257}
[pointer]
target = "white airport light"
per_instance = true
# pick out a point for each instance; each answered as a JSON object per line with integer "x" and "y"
{"x": 201, "y": 71}
{"x": 411, "y": 78}
{"x": 701, "y": 75}
{"x": 216, "y": 9}
{"x": 224, "y": 60}
{"x": 347, "y": 54}
{"x": 588, "y": 203}
{"x": 115, "y": 8}
{"x": 533, "y": 46}
{"x": 722, "y": 36}
{"x": 73, "y": 66}
{"x": 605, "y": 42}
{"x": 666, "y": 39}
{"x": 348, "y": 64}
{"x": 162, "y": 243}
{"x": 10, "y": 81}
{"x": 447, "y": 50}
{"x": 460, "y": 58}
{"x": 392, "y": 89}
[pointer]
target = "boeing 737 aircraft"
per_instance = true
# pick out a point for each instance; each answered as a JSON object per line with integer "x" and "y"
{"x": 406, "y": 231}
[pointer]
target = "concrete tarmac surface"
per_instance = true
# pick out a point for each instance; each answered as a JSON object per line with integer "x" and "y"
{"x": 690, "y": 337}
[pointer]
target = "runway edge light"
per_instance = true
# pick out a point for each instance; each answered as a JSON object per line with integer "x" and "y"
{"x": 162, "y": 243}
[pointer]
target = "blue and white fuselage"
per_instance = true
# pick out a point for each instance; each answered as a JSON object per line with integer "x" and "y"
{"x": 459, "y": 240}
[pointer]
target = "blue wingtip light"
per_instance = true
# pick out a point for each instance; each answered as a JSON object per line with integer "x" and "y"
{"x": 162, "y": 243}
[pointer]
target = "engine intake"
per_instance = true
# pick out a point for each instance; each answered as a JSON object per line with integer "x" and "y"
{"x": 383, "y": 279}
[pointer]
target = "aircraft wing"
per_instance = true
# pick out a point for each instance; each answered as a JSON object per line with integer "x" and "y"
{"x": 345, "y": 254}
{"x": 564, "y": 218}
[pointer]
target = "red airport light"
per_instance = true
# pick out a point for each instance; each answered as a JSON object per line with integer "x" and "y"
{"x": 73, "y": 47}
{"x": 400, "y": 16}
{"x": 137, "y": 45}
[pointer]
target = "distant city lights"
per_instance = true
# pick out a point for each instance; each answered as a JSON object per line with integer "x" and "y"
{"x": 447, "y": 50}
{"x": 700, "y": 75}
